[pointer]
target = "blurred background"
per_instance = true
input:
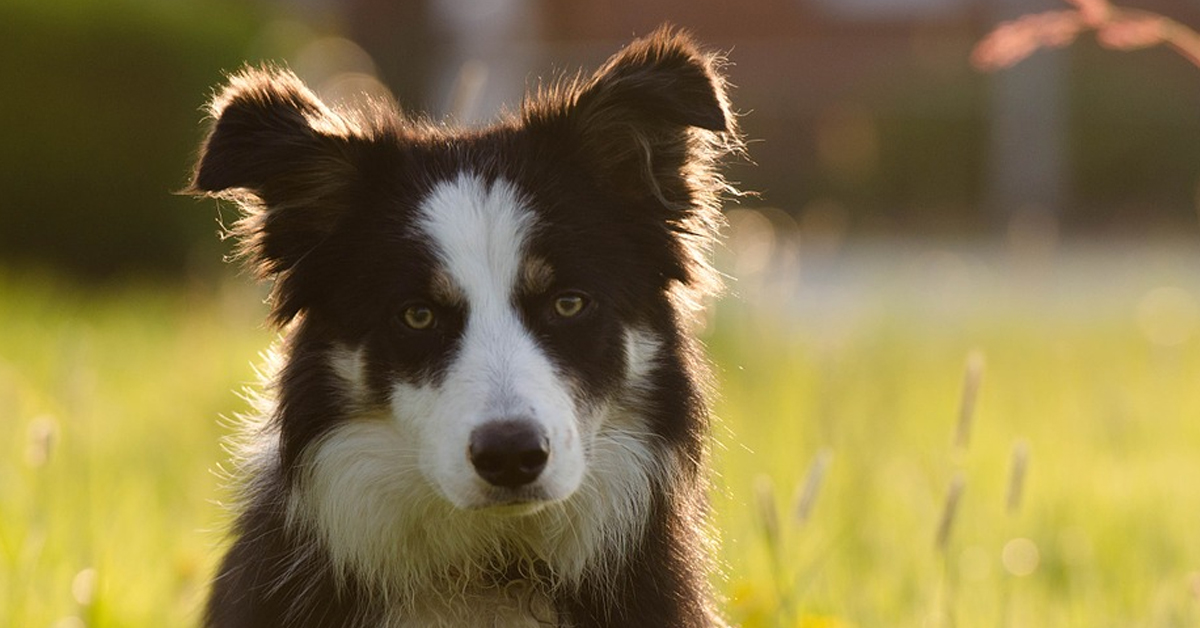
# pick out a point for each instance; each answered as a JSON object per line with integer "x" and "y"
{"x": 865, "y": 116}
{"x": 914, "y": 219}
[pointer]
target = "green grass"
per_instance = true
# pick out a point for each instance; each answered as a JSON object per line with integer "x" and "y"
{"x": 1109, "y": 498}
{"x": 132, "y": 382}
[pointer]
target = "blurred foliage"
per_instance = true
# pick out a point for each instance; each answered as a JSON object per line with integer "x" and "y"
{"x": 1134, "y": 139}
{"x": 100, "y": 104}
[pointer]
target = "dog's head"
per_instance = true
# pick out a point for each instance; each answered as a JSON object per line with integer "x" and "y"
{"x": 487, "y": 302}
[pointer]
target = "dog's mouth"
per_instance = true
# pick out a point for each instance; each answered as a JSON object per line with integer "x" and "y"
{"x": 512, "y": 503}
{"x": 512, "y": 508}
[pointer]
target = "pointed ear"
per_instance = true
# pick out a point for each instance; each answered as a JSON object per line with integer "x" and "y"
{"x": 654, "y": 110}
{"x": 284, "y": 158}
{"x": 652, "y": 126}
{"x": 661, "y": 80}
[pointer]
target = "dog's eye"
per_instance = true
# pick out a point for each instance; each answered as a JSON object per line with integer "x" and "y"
{"x": 570, "y": 305}
{"x": 419, "y": 317}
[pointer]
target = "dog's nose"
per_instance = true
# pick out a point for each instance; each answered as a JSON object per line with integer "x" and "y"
{"x": 509, "y": 452}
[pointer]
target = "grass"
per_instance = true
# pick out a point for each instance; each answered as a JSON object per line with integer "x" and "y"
{"x": 129, "y": 385}
{"x": 109, "y": 406}
{"x": 1107, "y": 502}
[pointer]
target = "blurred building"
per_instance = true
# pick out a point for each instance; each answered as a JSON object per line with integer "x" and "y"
{"x": 868, "y": 106}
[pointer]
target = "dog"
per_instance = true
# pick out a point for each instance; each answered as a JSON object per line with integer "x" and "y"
{"x": 486, "y": 407}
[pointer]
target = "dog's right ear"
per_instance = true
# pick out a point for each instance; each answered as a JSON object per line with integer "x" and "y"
{"x": 285, "y": 158}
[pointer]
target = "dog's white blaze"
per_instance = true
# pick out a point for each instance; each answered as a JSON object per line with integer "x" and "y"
{"x": 479, "y": 232}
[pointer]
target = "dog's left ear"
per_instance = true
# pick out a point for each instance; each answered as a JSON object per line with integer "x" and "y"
{"x": 651, "y": 111}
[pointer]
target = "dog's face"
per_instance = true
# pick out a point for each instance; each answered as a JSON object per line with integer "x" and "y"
{"x": 498, "y": 353}
{"x": 481, "y": 309}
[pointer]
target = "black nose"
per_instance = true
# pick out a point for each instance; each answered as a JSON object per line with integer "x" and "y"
{"x": 509, "y": 452}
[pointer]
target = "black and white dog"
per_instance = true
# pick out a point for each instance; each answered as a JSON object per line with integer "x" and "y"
{"x": 485, "y": 409}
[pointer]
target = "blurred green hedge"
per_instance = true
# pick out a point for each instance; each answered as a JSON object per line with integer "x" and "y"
{"x": 101, "y": 111}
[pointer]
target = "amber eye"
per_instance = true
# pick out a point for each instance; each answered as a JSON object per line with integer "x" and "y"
{"x": 419, "y": 317}
{"x": 570, "y": 305}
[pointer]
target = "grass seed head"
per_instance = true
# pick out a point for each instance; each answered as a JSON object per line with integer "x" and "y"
{"x": 1016, "y": 476}
{"x": 806, "y": 497}
{"x": 970, "y": 393}
{"x": 949, "y": 510}
{"x": 768, "y": 515}
{"x": 39, "y": 444}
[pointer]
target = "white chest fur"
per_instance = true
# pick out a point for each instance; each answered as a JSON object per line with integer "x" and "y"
{"x": 516, "y": 605}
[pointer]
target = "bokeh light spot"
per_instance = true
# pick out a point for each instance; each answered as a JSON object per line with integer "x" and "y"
{"x": 1020, "y": 557}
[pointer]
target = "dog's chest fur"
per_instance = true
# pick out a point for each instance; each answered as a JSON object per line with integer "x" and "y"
{"x": 519, "y": 604}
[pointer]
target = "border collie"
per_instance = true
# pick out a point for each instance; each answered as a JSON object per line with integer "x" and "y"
{"x": 485, "y": 408}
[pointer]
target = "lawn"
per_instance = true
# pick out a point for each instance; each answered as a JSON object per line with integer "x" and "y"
{"x": 1061, "y": 492}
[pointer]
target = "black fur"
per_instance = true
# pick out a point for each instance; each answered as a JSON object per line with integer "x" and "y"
{"x": 620, "y": 167}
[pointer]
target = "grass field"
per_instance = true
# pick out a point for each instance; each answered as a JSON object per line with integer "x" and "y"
{"x": 841, "y": 379}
